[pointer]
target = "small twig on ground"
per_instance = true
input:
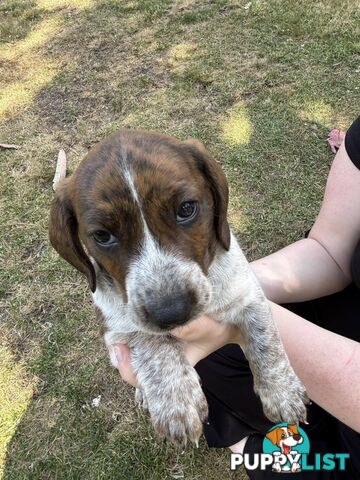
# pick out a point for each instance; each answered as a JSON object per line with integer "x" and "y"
{"x": 9, "y": 145}
{"x": 60, "y": 172}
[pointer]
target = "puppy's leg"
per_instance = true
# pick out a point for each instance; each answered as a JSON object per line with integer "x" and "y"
{"x": 170, "y": 387}
{"x": 282, "y": 394}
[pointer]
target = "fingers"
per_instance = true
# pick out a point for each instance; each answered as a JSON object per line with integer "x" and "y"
{"x": 195, "y": 329}
{"x": 126, "y": 371}
{"x": 208, "y": 333}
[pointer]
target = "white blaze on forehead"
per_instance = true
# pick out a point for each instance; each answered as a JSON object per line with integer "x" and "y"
{"x": 128, "y": 175}
{"x": 129, "y": 179}
{"x": 151, "y": 251}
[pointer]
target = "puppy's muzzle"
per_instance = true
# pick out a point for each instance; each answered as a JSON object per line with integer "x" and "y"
{"x": 170, "y": 311}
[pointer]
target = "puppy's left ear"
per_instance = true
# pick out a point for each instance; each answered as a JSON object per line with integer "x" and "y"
{"x": 215, "y": 176}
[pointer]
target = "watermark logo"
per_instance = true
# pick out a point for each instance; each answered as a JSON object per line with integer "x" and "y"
{"x": 286, "y": 449}
{"x": 286, "y": 443}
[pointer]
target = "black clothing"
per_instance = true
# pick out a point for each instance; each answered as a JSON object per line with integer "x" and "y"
{"x": 352, "y": 142}
{"x": 352, "y": 145}
{"x": 235, "y": 411}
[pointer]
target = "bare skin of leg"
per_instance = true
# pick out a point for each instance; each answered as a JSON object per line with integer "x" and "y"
{"x": 239, "y": 446}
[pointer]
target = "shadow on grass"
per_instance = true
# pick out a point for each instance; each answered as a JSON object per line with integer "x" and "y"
{"x": 260, "y": 89}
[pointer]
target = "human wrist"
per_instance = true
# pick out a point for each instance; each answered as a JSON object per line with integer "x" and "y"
{"x": 194, "y": 355}
{"x": 263, "y": 276}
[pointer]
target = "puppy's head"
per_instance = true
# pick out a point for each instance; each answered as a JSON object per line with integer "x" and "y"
{"x": 142, "y": 217}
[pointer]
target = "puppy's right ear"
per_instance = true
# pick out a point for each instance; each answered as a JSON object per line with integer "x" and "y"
{"x": 63, "y": 233}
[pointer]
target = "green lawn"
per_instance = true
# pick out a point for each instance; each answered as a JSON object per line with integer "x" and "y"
{"x": 260, "y": 86}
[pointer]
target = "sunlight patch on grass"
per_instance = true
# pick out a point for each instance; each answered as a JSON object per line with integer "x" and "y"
{"x": 32, "y": 70}
{"x": 15, "y": 394}
{"x": 317, "y": 111}
{"x": 179, "y": 55}
{"x": 237, "y": 128}
{"x": 236, "y": 218}
{"x": 19, "y": 94}
{"x": 54, "y": 4}
{"x": 37, "y": 38}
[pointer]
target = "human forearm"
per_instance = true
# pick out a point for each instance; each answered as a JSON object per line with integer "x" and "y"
{"x": 328, "y": 364}
{"x": 301, "y": 271}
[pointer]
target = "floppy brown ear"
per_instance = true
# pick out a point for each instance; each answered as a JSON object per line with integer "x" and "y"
{"x": 219, "y": 188}
{"x": 63, "y": 233}
{"x": 273, "y": 436}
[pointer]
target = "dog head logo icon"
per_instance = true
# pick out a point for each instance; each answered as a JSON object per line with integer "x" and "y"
{"x": 286, "y": 443}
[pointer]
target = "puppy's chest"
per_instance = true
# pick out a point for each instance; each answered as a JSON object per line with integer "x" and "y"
{"x": 111, "y": 309}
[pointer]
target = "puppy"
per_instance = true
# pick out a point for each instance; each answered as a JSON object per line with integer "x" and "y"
{"x": 144, "y": 218}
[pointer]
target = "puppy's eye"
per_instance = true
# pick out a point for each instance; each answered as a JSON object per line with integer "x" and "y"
{"x": 186, "y": 211}
{"x": 104, "y": 238}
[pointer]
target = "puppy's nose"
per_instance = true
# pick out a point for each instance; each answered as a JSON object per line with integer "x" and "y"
{"x": 297, "y": 437}
{"x": 170, "y": 311}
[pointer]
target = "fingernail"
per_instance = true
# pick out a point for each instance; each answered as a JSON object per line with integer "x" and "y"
{"x": 118, "y": 354}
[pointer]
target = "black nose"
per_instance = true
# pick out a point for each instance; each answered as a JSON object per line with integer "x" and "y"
{"x": 297, "y": 437}
{"x": 170, "y": 311}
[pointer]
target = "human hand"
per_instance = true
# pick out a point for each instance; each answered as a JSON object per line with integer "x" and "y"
{"x": 201, "y": 337}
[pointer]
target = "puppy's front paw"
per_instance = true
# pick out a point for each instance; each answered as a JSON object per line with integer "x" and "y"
{"x": 179, "y": 409}
{"x": 283, "y": 400}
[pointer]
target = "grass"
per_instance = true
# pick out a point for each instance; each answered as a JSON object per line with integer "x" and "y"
{"x": 260, "y": 87}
